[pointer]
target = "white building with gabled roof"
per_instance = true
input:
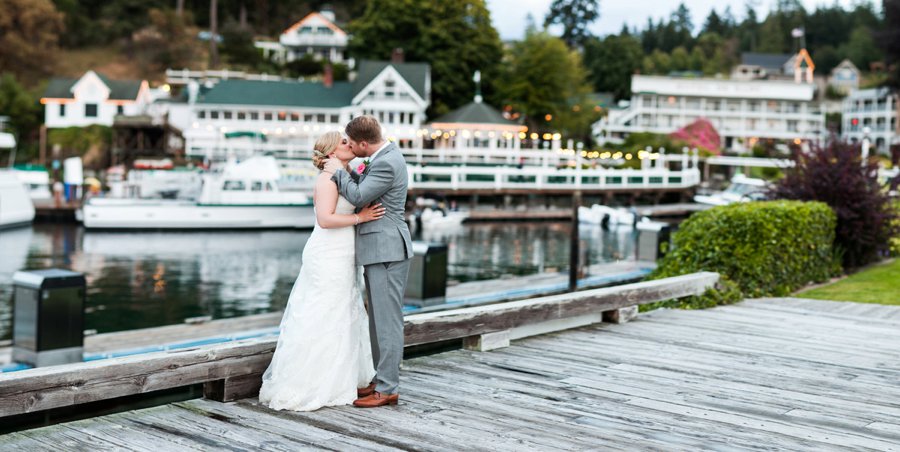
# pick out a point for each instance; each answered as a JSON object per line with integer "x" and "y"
{"x": 93, "y": 99}
{"x": 317, "y": 34}
{"x": 285, "y": 117}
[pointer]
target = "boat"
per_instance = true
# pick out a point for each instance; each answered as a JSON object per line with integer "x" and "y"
{"x": 430, "y": 214}
{"x": 742, "y": 189}
{"x": 16, "y": 207}
{"x": 243, "y": 195}
{"x": 36, "y": 180}
{"x": 606, "y": 216}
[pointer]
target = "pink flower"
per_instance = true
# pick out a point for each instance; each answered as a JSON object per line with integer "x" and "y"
{"x": 360, "y": 168}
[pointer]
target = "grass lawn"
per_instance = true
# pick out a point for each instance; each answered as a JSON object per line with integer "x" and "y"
{"x": 878, "y": 284}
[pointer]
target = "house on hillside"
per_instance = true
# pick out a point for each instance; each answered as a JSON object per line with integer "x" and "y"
{"x": 284, "y": 117}
{"x": 844, "y": 77}
{"x": 317, "y": 35}
{"x": 93, "y": 99}
{"x": 775, "y": 66}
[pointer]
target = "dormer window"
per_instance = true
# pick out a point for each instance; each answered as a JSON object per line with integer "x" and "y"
{"x": 305, "y": 30}
{"x": 90, "y": 110}
{"x": 325, "y": 31}
{"x": 389, "y": 87}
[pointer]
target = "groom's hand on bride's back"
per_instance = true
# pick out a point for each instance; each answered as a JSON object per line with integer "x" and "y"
{"x": 332, "y": 165}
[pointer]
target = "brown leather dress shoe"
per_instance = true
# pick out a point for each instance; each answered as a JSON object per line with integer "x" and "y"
{"x": 377, "y": 399}
{"x": 365, "y": 392}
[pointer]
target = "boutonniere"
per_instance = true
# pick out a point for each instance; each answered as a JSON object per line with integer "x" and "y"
{"x": 362, "y": 166}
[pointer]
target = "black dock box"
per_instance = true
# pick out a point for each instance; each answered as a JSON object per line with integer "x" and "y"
{"x": 48, "y": 319}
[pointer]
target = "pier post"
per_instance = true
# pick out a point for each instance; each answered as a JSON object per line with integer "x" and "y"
{"x": 574, "y": 251}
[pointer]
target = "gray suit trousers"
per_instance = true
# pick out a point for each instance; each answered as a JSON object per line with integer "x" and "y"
{"x": 385, "y": 286}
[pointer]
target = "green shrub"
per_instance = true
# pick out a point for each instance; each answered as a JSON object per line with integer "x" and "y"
{"x": 765, "y": 248}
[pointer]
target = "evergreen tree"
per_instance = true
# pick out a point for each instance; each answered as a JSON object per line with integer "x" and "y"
{"x": 575, "y": 16}
{"x": 454, "y": 36}
{"x": 612, "y": 61}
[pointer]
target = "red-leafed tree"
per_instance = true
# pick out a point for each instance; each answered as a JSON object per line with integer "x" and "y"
{"x": 699, "y": 134}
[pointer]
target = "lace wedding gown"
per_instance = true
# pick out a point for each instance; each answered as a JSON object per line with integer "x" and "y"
{"x": 323, "y": 352}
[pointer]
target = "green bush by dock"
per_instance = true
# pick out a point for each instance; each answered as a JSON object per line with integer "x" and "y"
{"x": 768, "y": 248}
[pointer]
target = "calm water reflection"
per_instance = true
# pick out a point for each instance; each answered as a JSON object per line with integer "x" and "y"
{"x": 139, "y": 280}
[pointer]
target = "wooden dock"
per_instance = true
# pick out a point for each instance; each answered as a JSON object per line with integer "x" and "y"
{"x": 766, "y": 374}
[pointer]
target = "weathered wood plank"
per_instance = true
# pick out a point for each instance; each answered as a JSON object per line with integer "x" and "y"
{"x": 425, "y": 328}
{"x": 72, "y": 384}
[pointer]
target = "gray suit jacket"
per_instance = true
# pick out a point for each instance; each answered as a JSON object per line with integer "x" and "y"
{"x": 385, "y": 180}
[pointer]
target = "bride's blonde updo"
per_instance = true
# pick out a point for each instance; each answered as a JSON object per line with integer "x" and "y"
{"x": 325, "y": 145}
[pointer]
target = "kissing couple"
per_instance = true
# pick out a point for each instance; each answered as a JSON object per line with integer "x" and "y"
{"x": 330, "y": 350}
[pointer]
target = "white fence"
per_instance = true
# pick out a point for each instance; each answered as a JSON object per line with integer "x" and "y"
{"x": 539, "y": 178}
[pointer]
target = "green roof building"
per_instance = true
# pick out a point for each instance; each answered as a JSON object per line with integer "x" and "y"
{"x": 93, "y": 99}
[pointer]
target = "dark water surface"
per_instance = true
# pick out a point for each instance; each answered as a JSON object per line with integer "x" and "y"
{"x": 146, "y": 279}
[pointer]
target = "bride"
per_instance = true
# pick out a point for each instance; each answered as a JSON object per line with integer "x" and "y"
{"x": 323, "y": 353}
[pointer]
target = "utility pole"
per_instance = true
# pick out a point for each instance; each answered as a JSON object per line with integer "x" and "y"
{"x": 213, "y": 33}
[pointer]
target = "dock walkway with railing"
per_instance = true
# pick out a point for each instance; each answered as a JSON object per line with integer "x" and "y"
{"x": 775, "y": 374}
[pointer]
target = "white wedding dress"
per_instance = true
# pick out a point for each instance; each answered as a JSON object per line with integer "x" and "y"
{"x": 323, "y": 352}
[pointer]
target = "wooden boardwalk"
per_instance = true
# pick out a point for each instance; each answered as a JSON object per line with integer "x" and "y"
{"x": 765, "y": 374}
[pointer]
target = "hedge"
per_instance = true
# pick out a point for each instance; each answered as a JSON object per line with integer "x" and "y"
{"x": 768, "y": 248}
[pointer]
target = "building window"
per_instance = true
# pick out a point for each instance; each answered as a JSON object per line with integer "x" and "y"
{"x": 334, "y": 119}
{"x": 389, "y": 86}
{"x": 62, "y": 110}
{"x": 201, "y": 114}
{"x": 120, "y": 109}
{"x": 254, "y": 115}
{"x": 320, "y": 118}
{"x": 307, "y": 118}
{"x": 242, "y": 115}
{"x": 295, "y": 117}
{"x": 90, "y": 110}
{"x": 213, "y": 114}
{"x": 267, "y": 116}
{"x": 402, "y": 117}
{"x": 391, "y": 117}
{"x": 226, "y": 115}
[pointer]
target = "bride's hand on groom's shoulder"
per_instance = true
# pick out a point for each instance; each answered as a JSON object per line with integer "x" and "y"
{"x": 332, "y": 165}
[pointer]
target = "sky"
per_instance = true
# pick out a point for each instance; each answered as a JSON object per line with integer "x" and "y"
{"x": 509, "y": 15}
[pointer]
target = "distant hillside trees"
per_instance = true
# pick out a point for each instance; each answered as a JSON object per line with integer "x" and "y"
{"x": 29, "y": 37}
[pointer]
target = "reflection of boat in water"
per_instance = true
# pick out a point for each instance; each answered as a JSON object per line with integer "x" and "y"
{"x": 244, "y": 195}
{"x": 430, "y": 214}
{"x": 16, "y": 207}
{"x": 606, "y": 216}
{"x": 742, "y": 189}
{"x": 437, "y": 218}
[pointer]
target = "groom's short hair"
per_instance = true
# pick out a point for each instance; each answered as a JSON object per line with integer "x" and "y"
{"x": 364, "y": 128}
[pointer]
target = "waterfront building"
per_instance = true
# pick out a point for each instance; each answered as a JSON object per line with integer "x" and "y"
{"x": 875, "y": 109}
{"x": 742, "y": 111}
{"x": 93, "y": 99}
{"x": 316, "y": 35}
{"x": 284, "y": 117}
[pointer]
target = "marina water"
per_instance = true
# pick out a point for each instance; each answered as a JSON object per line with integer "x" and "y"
{"x": 146, "y": 279}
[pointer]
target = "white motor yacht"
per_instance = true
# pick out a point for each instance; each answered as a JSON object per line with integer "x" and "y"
{"x": 16, "y": 207}
{"x": 243, "y": 195}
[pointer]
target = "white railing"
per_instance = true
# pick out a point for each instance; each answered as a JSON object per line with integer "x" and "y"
{"x": 538, "y": 178}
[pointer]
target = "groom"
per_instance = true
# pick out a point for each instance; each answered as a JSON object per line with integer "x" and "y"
{"x": 383, "y": 248}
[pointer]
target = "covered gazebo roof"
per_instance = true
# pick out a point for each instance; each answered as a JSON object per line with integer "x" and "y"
{"x": 476, "y": 116}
